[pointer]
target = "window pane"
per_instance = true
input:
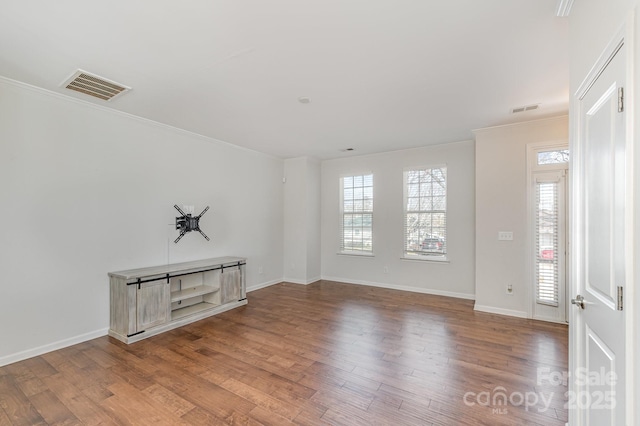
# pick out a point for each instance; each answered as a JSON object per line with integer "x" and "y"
{"x": 358, "y": 193}
{"x": 368, "y": 192}
{"x": 412, "y": 222}
{"x": 439, "y": 203}
{"x": 547, "y": 268}
{"x": 439, "y": 219}
{"x": 348, "y": 220}
{"x": 413, "y": 190}
{"x": 439, "y": 190}
{"x": 553, "y": 157}
{"x": 413, "y": 204}
{"x": 425, "y": 203}
{"x": 425, "y": 223}
{"x": 357, "y": 217}
{"x": 425, "y": 214}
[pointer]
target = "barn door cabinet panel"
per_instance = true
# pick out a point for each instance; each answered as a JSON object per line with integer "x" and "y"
{"x": 151, "y": 305}
{"x": 148, "y": 301}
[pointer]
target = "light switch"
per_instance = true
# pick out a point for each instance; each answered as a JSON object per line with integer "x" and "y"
{"x": 505, "y": 236}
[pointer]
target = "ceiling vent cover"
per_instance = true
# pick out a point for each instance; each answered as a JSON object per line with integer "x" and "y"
{"x": 525, "y": 108}
{"x": 93, "y": 85}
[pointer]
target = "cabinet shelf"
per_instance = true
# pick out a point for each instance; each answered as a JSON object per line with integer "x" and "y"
{"x": 177, "y": 296}
{"x": 190, "y": 310}
{"x": 148, "y": 301}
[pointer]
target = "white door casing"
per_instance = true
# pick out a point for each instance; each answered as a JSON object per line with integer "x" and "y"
{"x": 600, "y": 225}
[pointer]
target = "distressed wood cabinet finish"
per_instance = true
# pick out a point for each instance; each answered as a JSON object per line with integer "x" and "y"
{"x": 148, "y": 301}
{"x": 151, "y": 304}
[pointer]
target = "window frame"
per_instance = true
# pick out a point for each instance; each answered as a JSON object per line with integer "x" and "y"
{"x": 412, "y": 255}
{"x": 539, "y": 172}
{"x": 552, "y": 221}
{"x": 351, "y": 251}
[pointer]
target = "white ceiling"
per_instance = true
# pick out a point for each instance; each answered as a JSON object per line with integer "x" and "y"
{"x": 381, "y": 75}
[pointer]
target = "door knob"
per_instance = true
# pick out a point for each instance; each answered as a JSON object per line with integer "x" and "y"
{"x": 579, "y": 301}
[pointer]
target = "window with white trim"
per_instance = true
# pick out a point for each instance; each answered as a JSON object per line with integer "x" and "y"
{"x": 546, "y": 239}
{"x": 556, "y": 156}
{"x": 425, "y": 213}
{"x": 547, "y": 171}
{"x": 356, "y": 230}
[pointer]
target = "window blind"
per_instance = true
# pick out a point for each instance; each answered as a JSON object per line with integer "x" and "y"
{"x": 546, "y": 236}
{"x": 425, "y": 212}
{"x": 357, "y": 214}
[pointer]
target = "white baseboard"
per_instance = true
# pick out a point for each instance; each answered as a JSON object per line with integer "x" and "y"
{"x": 435, "y": 292}
{"x": 500, "y": 311}
{"x": 30, "y": 353}
{"x": 263, "y": 285}
{"x": 303, "y": 282}
{"x": 549, "y": 319}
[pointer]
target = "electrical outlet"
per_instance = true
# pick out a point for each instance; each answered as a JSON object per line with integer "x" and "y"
{"x": 509, "y": 289}
{"x": 260, "y": 271}
{"x": 385, "y": 269}
{"x": 505, "y": 236}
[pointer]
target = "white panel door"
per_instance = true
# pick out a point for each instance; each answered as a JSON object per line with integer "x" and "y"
{"x": 598, "y": 394}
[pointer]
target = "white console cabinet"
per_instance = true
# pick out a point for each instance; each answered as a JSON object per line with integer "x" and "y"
{"x": 148, "y": 301}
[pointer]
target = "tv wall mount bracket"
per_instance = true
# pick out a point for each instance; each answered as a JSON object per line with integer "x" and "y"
{"x": 187, "y": 223}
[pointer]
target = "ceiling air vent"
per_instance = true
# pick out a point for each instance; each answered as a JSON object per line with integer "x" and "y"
{"x": 93, "y": 85}
{"x": 525, "y": 108}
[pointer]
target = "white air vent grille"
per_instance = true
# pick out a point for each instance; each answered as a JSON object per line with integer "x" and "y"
{"x": 93, "y": 85}
{"x": 525, "y": 108}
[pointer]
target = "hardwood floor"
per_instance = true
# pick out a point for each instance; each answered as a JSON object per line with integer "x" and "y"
{"x": 327, "y": 353}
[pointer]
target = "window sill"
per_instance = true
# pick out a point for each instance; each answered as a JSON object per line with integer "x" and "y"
{"x": 354, "y": 254}
{"x": 429, "y": 259}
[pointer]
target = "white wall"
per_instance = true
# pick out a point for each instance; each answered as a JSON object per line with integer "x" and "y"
{"x": 314, "y": 260}
{"x": 302, "y": 220}
{"x": 455, "y": 278}
{"x": 86, "y": 191}
{"x": 295, "y": 220}
{"x": 501, "y": 205}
